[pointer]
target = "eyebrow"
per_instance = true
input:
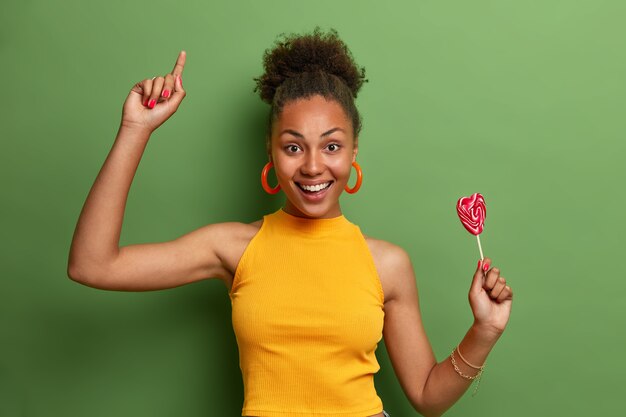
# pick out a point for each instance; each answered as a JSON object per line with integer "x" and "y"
{"x": 293, "y": 132}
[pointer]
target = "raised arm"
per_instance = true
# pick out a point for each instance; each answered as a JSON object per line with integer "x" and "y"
{"x": 95, "y": 258}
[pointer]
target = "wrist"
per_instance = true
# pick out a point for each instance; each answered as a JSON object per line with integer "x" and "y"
{"x": 485, "y": 332}
{"x": 134, "y": 130}
{"x": 129, "y": 130}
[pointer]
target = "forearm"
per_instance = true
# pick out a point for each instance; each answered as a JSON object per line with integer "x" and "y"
{"x": 444, "y": 385}
{"x": 97, "y": 234}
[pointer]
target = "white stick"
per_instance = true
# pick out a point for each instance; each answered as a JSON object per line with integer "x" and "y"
{"x": 480, "y": 248}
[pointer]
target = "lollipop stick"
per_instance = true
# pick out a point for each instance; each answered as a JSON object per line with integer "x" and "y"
{"x": 480, "y": 248}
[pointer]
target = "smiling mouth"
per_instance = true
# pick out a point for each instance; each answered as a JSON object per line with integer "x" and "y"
{"x": 313, "y": 189}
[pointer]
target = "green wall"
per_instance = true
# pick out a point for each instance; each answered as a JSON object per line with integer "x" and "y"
{"x": 522, "y": 101}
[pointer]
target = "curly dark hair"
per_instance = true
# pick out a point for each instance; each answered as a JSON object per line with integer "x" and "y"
{"x": 300, "y": 66}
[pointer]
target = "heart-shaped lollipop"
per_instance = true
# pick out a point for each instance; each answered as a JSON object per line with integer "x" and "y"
{"x": 472, "y": 212}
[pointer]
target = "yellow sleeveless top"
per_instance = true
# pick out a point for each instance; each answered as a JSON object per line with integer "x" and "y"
{"x": 307, "y": 312}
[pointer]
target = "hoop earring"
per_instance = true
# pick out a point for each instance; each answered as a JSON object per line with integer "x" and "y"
{"x": 359, "y": 180}
{"x": 266, "y": 186}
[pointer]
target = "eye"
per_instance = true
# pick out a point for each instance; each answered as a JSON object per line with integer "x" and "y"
{"x": 333, "y": 147}
{"x": 292, "y": 148}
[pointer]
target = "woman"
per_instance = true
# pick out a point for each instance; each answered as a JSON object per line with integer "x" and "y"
{"x": 311, "y": 295}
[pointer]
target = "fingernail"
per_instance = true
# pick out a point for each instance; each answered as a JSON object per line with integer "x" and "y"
{"x": 152, "y": 103}
{"x": 486, "y": 267}
{"x": 180, "y": 77}
{"x": 145, "y": 103}
{"x": 166, "y": 93}
{"x": 478, "y": 266}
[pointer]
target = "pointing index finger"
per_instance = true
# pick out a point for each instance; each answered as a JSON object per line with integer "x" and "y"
{"x": 180, "y": 63}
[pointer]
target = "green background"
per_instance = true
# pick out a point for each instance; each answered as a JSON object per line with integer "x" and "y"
{"x": 522, "y": 101}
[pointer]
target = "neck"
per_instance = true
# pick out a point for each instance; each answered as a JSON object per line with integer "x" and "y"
{"x": 294, "y": 211}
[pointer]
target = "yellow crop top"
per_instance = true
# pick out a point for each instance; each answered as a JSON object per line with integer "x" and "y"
{"x": 307, "y": 312}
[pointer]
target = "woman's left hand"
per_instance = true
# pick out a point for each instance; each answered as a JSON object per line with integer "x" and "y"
{"x": 490, "y": 298}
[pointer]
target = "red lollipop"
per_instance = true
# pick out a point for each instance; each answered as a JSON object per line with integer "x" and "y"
{"x": 472, "y": 212}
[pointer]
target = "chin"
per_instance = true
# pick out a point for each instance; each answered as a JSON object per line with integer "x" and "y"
{"x": 321, "y": 204}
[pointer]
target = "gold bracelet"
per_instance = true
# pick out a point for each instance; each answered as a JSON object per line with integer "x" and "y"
{"x": 458, "y": 371}
{"x": 464, "y": 360}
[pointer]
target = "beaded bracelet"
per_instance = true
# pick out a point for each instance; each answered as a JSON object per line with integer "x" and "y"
{"x": 469, "y": 377}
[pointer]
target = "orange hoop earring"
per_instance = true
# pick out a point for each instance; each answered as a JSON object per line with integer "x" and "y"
{"x": 266, "y": 186}
{"x": 359, "y": 179}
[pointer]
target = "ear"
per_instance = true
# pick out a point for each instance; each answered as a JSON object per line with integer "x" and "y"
{"x": 355, "y": 150}
{"x": 268, "y": 147}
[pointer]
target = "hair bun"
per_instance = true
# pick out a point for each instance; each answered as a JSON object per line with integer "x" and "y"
{"x": 297, "y": 54}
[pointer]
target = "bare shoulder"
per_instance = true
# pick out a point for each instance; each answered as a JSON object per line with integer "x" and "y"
{"x": 225, "y": 243}
{"x": 234, "y": 238}
{"x": 388, "y": 255}
{"x": 393, "y": 265}
{"x": 233, "y": 230}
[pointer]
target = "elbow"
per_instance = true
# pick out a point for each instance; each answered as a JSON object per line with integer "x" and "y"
{"x": 418, "y": 404}
{"x": 429, "y": 410}
{"x": 426, "y": 411}
{"x": 76, "y": 273}
{"x": 88, "y": 268}
{"x": 75, "y": 267}
{"x": 423, "y": 404}
{"x": 72, "y": 271}
{"x": 83, "y": 274}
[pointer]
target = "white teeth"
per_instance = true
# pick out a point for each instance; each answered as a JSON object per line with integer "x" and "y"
{"x": 315, "y": 188}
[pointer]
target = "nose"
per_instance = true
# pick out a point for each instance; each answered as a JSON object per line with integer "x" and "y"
{"x": 313, "y": 164}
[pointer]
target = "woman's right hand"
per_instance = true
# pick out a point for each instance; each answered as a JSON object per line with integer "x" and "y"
{"x": 152, "y": 101}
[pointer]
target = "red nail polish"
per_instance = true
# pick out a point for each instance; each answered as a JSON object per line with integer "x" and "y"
{"x": 166, "y": 93}
{"x": 145, "y": 103}
{"x": 478, "y": 264}
{"x": 152, "y": 103}
{"x": 181, "y": 79}
{"x": 486, "y": 267}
